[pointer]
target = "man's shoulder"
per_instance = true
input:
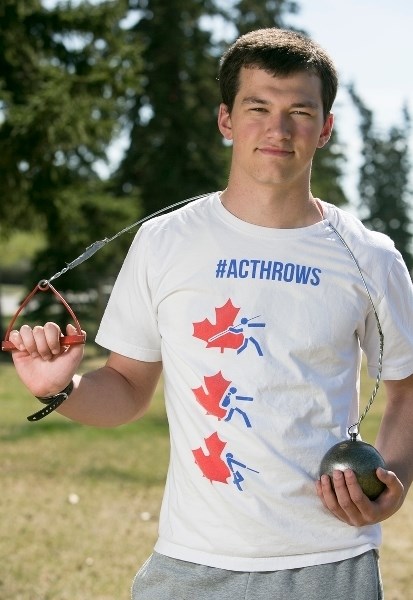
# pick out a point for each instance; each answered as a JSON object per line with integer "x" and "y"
{"x": 352, "y": 228}
{"x": 180, "y": 216}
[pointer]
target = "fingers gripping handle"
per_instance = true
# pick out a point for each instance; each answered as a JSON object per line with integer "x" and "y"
{"x": 65, "y": 340}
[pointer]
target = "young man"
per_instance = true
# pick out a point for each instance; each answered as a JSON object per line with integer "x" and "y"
{"x": 257, "y": 313}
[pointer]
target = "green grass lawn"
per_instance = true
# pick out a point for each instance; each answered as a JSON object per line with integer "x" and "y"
{"x": 79, "y": 506}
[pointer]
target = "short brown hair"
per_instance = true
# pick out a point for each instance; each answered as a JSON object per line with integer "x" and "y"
{"x": 280, "y": 52}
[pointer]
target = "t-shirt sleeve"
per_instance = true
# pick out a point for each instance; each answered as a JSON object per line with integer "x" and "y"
{"x": 129, "y": 324}
{"x": 395, "y": 312}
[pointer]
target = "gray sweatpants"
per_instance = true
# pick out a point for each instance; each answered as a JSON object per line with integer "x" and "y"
{"x": 164, "y": 578}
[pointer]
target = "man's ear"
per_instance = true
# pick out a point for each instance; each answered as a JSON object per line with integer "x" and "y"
{"x": 224, "y": 121}
{"x": 326, "y": 131}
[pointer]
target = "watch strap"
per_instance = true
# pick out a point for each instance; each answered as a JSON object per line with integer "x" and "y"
{"x": 52, "y": 402}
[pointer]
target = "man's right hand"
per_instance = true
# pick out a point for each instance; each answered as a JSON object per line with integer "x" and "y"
{"x": 43, "y": 365}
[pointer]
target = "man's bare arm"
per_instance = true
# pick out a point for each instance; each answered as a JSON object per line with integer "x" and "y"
{"x": 117, "y": 393}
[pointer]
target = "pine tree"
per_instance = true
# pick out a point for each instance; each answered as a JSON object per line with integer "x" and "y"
{"x": 256, "y": 14}
{"x": 327, "y": 172}
{"x": 66, "y": 75}
{"x": 384, "y": 189}
{"x": 174, "y": 150}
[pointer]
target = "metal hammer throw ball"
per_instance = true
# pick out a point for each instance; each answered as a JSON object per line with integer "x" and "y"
{"x": 360, "y": 457}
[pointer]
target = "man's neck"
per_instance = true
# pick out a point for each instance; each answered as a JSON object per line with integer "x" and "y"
{"x": 276, "y": 208}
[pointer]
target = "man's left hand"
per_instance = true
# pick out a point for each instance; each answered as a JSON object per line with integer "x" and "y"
{"x": 344, "y": 497}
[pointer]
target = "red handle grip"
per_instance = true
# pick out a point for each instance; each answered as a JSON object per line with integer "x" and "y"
{"x": 65, "y": 340}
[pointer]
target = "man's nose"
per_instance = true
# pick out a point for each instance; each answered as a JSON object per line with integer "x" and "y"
{"x": 279, "y": 126}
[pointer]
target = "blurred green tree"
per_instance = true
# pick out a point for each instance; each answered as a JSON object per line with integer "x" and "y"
{"x": 385, "y": 192}
{"x": 66, "y": 77}
{"x": 328, "y": 171}
{"x": 174, "y": 150}
{"x": 247, "y": 15}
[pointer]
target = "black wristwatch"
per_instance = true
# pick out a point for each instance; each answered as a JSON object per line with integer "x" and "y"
{"x": 52, "y": 402}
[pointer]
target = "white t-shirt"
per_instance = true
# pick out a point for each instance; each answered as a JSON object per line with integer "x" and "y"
{"x": 260, "y": 332}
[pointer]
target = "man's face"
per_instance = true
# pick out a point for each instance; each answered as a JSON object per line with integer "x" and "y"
{"x": 276, "y": 125}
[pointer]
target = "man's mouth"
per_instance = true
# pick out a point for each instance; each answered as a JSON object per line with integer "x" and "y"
{"x": 274, "y": 151}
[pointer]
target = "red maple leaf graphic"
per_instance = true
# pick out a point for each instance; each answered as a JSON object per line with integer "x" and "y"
{"x": 218, "y": 335}
{"x": 216, "y": 386}
{"x": 211, "y": 464}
